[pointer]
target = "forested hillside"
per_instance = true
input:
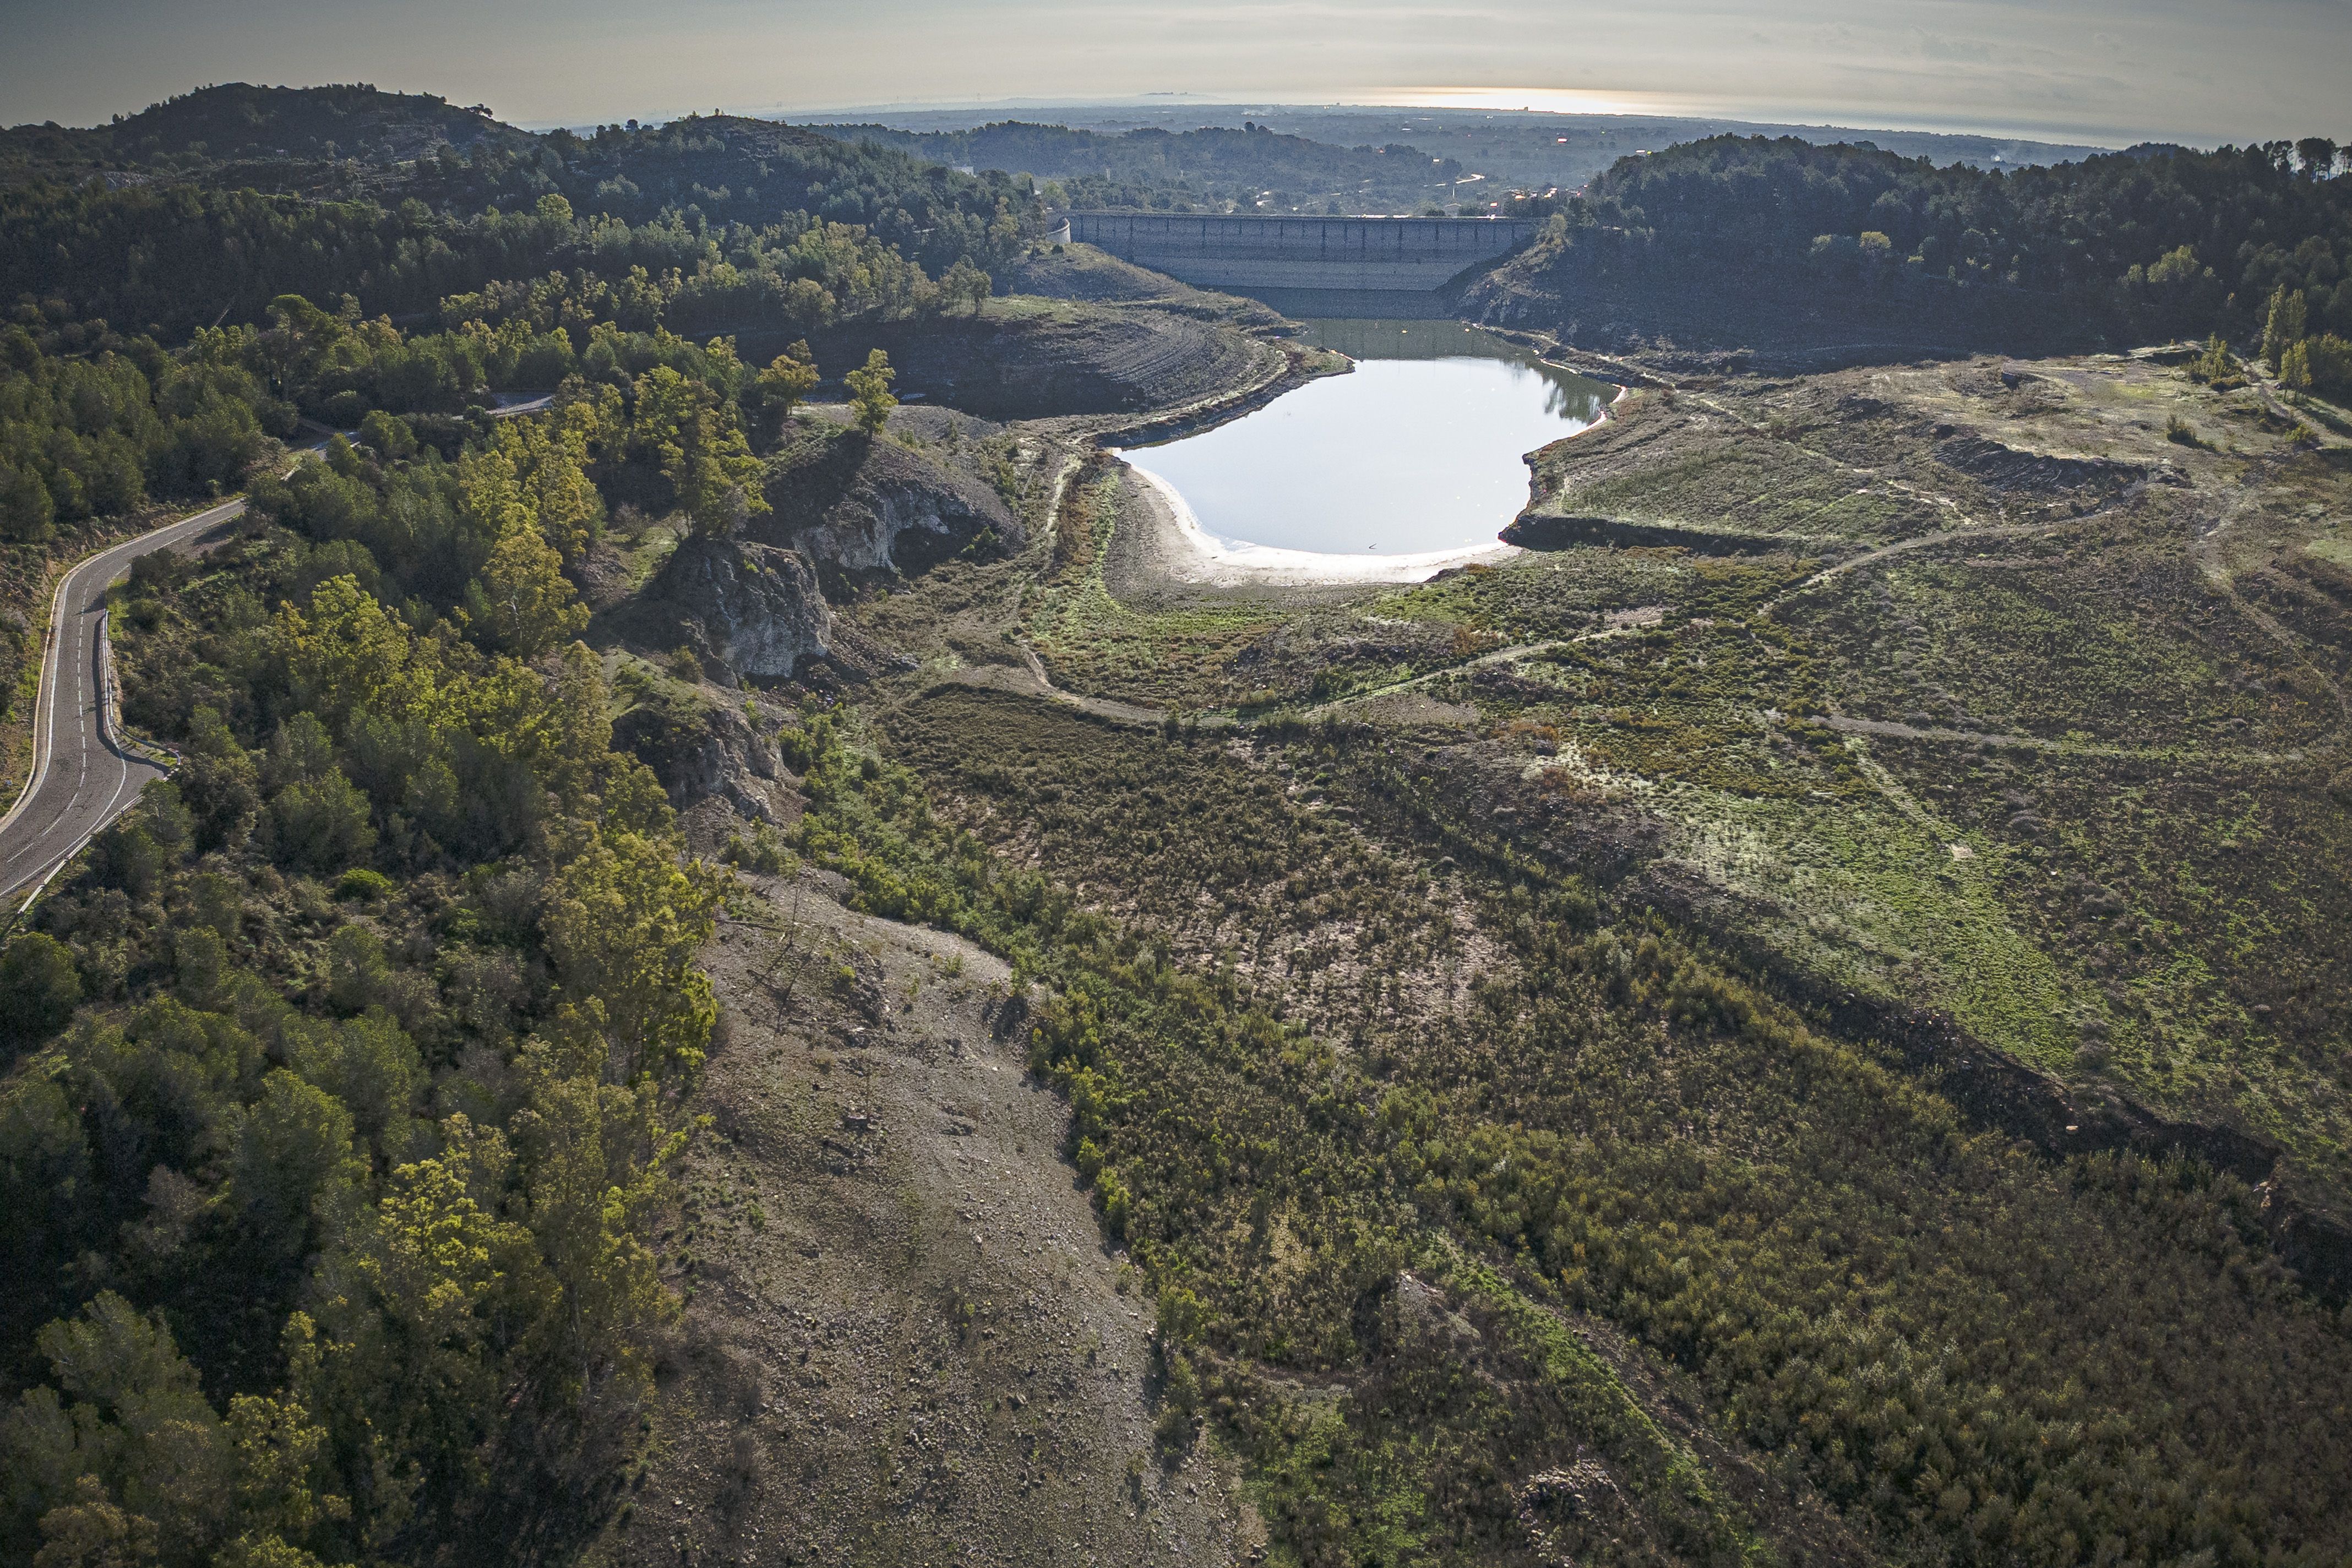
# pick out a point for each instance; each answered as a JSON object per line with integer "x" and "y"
{"x": 744, "y": 208}
{"x": 734, "y": 968}
{"x": 2132, "y": 247}
{"x": 252, "y": 128}
{"x": 345, "y": 1074}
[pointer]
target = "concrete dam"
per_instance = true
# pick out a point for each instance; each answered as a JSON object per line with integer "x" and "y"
{"x": 1404, "y": 256}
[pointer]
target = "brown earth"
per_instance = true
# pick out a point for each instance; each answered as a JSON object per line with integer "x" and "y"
{"x": 1033, "y": 359}
{"x": 905, "y": 1341}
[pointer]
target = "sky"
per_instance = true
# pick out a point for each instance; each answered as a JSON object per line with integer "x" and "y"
{"x": 2114, "y": 71}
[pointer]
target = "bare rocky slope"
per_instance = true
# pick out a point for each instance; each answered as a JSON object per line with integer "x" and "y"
{"x": 1036, "y": 360}
{"x": 859, "y": 507}
{"x": 906, "y": 1339}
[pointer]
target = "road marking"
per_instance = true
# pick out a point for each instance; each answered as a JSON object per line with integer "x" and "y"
{"x": 67, "y": 645}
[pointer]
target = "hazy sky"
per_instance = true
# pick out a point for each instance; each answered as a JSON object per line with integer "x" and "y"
{"x": 2112, "y": 70}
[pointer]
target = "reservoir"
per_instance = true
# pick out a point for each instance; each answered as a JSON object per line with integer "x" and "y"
{"x": 1416, "y": 452}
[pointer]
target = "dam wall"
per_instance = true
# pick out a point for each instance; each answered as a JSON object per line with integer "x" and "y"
{"x": 1250, "y": 255}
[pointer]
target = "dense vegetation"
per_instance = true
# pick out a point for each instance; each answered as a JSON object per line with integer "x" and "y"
{"x": 344, "y": 1080}
{"x": 335, "y": 1188}
{"x": 355, "y": 142}
{"x": 94, "y": 253}
{"x": 1490, "y": 1212}
{"x": 96, "y": 436}
{"x": 1977, "y": 1358}
{"x": 2155, "y": 241}
{"x": 721, "y": 217}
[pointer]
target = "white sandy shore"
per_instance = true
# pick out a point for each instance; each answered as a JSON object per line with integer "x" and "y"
{"x": 1189, "y": 553}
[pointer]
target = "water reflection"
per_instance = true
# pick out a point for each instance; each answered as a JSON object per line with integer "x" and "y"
{"x": 1417, "y": 450}
{"x": 1577, "y": 399}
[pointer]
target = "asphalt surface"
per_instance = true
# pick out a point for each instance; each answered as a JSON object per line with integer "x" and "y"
{"x": 83, "y": 776}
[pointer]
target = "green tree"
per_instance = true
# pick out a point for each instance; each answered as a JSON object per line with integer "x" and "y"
{"x": 682, "y": 427}
{"x": 967, "y": 282}
{"x": 414, "y": 1314}
{"x": 123, "y": 1448}
{"x": 788, "y": 379}
{"x": 623, "y": 924}
{"x": 293, "y": 1149}
{"x": 869, "y": 392}
{"x": 2217, "y": 366}
{"x": 2294, "y": 366}
{"x": 321, "y": 824}
{"x": 388, "y": 434}
{"x": 93, "y": 1532}
{"x": 595, "y": 1155}
{"x": 368, "y": 1063}
{"x": 533, "y": 605}
{"x": 535, "y": 473}
{"x": 808, "y": 303}
{"x": 2284, "y": 326}
{"x": 218, "y": 780}
{"x": 2330, "y": 358}
{"x": 27, "y": 510}
{"x": 39, "y": 988}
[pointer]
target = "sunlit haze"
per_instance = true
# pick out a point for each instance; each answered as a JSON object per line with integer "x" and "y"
{"x": 2099, "y": 70}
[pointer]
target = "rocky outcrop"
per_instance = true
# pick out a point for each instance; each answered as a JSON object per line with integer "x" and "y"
{"x": 747, "y": 612}
{"x": 702, "y": 750}
{"x": 758, "y": 609}
{"x": 874, "y": 506}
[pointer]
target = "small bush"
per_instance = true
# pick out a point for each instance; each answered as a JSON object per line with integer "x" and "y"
{"x": 359, "y": 883}
{"x": 764, "y": 852}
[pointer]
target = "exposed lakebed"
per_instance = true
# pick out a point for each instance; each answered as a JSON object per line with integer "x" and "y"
{"x": 1415, "y": 453}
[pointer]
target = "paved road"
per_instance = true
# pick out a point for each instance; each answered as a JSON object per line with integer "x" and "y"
{"x": 83, "y": 778}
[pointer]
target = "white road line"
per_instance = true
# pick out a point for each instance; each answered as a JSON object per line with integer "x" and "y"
{"x": 68, "y": 645}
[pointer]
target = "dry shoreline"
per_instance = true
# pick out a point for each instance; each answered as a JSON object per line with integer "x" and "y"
{"x": 1176, "y": 548}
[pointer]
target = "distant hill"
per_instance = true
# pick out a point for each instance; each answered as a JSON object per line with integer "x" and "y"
{"x": 240, "y": 123}
{"x": 1249, "y": 167}
{"x": 251, "y": 192}
{"x": 1499, "y": 149}
{"x": 1851, "y": 248}
{"x": 355, "y": 143}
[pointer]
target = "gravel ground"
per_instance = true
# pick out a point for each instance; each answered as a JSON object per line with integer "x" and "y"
{"x": 907, "y": 1341}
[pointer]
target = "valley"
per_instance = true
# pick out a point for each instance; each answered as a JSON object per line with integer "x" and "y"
{"x": 841, "y": 881}
{"x": 1719, "y": 792}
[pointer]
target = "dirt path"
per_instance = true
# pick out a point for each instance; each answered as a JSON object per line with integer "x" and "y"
{"x": 906, "y": 1342}
{"x": 1887, "y": 729}
{"x": 1029, "y": 679}
{"x": 1905, "y": 546}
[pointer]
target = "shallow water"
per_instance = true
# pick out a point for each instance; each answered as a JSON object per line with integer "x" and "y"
{"x": 1415, "y": 451}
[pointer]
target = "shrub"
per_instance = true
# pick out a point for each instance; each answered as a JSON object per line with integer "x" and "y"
{"x": 39, "y": 988}
{"x": 322, "y": 825}
{"x": 359, "y": 883}
{"x": 764, "y": 851}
